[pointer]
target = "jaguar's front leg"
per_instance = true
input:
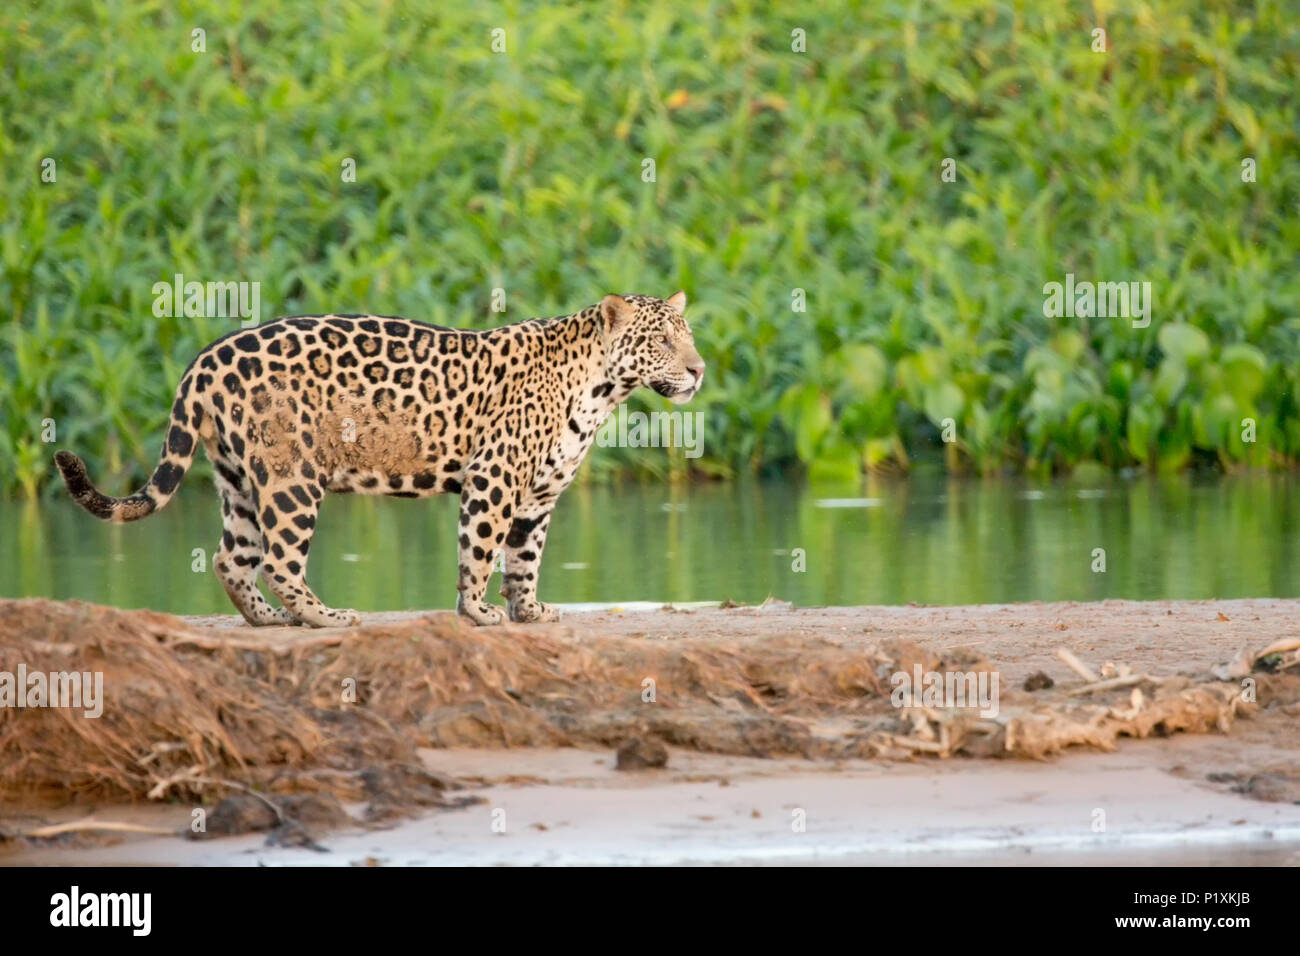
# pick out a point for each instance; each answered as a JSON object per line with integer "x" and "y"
{"x": 523, "y": 553}
{"x": 484, "y": 520}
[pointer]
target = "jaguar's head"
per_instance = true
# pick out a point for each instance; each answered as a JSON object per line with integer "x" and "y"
{"x": 647, "y": 342}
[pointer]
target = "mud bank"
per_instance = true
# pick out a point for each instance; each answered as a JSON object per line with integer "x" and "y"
{"x": 379, "y": 718}
{"x": 543, "y": 806}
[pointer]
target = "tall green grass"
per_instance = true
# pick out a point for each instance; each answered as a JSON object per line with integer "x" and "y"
{"x": 776, "y": 171}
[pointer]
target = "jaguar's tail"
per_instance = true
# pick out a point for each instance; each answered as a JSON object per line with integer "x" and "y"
{"x": 177, "y": 456}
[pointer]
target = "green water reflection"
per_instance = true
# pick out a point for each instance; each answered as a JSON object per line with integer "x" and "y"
{"x": 932, "y": 542}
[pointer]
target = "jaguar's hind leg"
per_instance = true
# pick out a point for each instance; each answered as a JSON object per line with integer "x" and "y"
{"x": 240, "y": 554}
{"x": 287, "y": 516}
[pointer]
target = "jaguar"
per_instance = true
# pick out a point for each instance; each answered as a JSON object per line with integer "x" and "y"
{"x": 370, "y": 404}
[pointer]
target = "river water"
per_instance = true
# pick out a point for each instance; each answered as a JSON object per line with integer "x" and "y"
{"x": 881, "y": 542}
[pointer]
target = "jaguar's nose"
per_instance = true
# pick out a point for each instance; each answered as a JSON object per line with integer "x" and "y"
{"x": 697, "y": 371}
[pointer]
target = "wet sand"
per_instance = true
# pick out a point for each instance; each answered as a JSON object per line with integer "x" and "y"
{"x": 1152, "y": 801}
{"x": 569, "y": 807}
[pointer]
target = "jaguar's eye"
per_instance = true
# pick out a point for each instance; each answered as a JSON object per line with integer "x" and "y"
{"x": 667, "y": 343}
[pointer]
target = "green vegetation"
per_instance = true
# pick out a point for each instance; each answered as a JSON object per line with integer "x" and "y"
{"x": 775, "y": 171}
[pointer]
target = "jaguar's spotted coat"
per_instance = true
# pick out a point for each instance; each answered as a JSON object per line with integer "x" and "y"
{"x": 381, "y": 405}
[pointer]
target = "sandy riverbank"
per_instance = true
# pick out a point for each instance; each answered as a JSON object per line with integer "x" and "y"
{"x": 749, "y": 753}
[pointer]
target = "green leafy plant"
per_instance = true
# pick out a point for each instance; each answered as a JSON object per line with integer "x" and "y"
{"x": 776, "y": 171}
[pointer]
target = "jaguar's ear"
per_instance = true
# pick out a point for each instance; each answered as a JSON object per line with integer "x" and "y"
{"x": 614, "y": 313}
{"x": 678, "y": 301}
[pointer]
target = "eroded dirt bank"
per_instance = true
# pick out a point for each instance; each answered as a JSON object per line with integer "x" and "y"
{"x": 199, "y": 711}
